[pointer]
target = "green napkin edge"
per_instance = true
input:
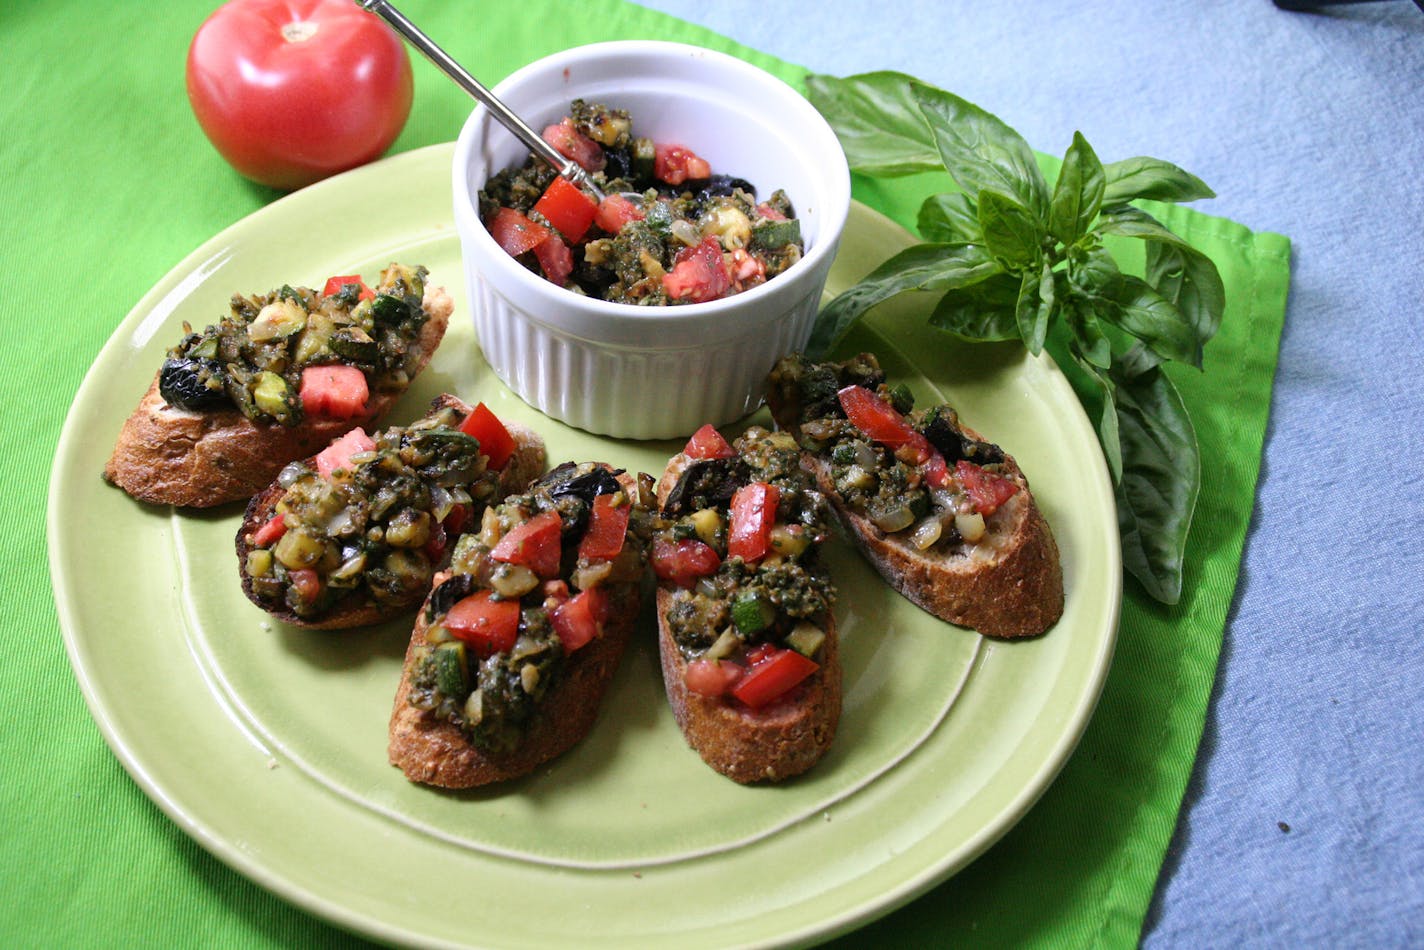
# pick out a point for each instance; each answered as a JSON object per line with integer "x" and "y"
{"x": 1099, "y": 894}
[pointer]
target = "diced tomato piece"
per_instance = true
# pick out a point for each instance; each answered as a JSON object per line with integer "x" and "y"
{"x": 614, "y": 212}
{"x": 761, "y": 653}
{"x": 773, "y": 678}
{"x": 269, "y": 532}
{"x": 338, "y": 453}
{"x": 753, "y": 514}
{"x": 699, "y": 273}
{"x": 495, "y": 440}
{"x": 936, "y": 470}
{"x": 573, "y": 144}
{"x": 676, "y": 164}
{"x": 516, "y": 233}
{"x": 711, "y": 678}
{"x": 879, "y": 420}
{"x": 490, "y": 626}
{"x": 555, "y": 259}
{"x": 534, "y": 544}
{"x": 439, "y": 541}
{"x": 607, "y": 527}
{"x": 334, "y": 286}
{"x": 307, "y": 583}
{"x": 708, "y": 443}
{"x": 454, "y": 523}
{"x": 683, "y": 562}
{"x": 567, "y": 208}
{"x": 746, "y": 268}
{"x": 767, "y": 211}
{"x": 335, "y": 392}
{"x": 986, "y": 490}
{"x": 580, "y": 618}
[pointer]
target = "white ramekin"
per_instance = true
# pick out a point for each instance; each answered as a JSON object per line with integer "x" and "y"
{"x": 653, "y": 372}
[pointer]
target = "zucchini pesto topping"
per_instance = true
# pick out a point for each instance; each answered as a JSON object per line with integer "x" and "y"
{"x": 369, "y": 517}
{"x": 686, "y": 236}
{"x": 907, "y": 470}
{"x": 256, "y": 358}
{"x": 739, "y": 542}
{"x": 529, "y": 588}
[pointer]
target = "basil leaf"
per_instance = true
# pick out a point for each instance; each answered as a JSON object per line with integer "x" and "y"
{"x": 1198, "y": 291}
{"x": 1107, "y": 419}
{"x": 1078, "y": 193}
{"x": 979, "y": 151}
{"x": 1086, "y": 334}
{"x": 1010, "y": 231}
{"x": 949, "y": 217}
{"x": 921, "y": 267}
{"x": 1094, "y": 275}
{"x": 1145, "y": 177}
{"x": 1161, "y": 477}
{"x": 1138, "y": 360}
{"x": 1156, "y": 321}
{"x": 878, "y": 122}
{"x": 1033, "y": 307}
{"x": 980, "y": 312}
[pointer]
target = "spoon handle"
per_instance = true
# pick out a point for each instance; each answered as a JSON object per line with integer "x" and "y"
{"x": 566, "y": 167}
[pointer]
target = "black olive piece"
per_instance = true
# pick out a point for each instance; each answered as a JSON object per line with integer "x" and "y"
{"x": 618, "y": 163}
{"x": 448, "y": 594}
{"x": 588, "y": 486}
{"x": 183, "y": 383}
{"x": 719, "y": 185}
{"x": 707, "y": 483}
{"x": 953, "y": 444}
{"x": 862, "y": 370}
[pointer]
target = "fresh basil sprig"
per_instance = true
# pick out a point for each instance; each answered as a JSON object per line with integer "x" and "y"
{"x": 1013, "y": 258}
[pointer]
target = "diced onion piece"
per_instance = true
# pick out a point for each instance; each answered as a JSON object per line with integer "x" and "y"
{"x": 970, "y": 526}
{"x": 927, "y": 534}
{"x": 894, "y": 519}
{"x": 686, "y": 232}
{"x": 724, "y": 646}
{"x": 512, "y": 581}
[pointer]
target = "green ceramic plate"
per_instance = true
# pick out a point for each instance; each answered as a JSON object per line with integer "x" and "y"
{"x": 267, "y": 743}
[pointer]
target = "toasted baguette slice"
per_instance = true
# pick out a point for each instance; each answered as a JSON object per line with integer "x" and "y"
{"x": 435, "y": 751}
{"x": 360, "y": 608}
{"x": 1009, "y": 583}
{"x": 768, "y": 744}
{"x": 764, "y": 745}
{"x": 170, "y": 456}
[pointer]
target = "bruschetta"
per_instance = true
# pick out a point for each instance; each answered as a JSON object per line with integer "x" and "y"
{"x": 276, "y": 379}
{"x": 354, "y": 534}
{"x": 946, "y": 516}
{"x": 514, "y": 649}
{"x": 746, "y": 634}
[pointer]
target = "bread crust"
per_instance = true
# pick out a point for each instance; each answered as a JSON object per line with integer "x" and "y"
{"x": 170, "y": 456}
{"x": 524, "y": 466}
{"x": 433, "y": 751}
{"x": 748, "y": 745}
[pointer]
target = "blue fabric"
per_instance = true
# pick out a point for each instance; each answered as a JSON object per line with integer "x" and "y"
{"x": 1303, "y": 819}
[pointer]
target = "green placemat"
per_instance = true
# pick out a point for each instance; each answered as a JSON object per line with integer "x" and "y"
{"x": 108, "y": 183}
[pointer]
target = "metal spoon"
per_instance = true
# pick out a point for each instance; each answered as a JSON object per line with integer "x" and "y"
{"x": 566, "y": 167}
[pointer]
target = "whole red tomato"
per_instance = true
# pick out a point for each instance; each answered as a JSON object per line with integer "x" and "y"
{"x": 291, "y": 91}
